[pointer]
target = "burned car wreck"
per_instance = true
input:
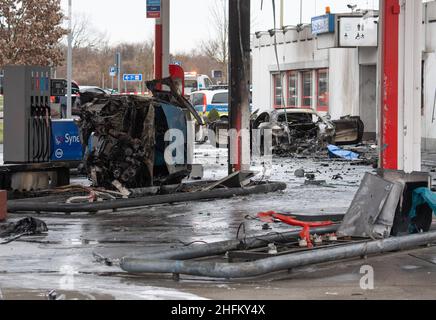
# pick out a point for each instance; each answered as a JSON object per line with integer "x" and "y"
{"x": 126, "y": 137}
{"x": 304, "y": 131}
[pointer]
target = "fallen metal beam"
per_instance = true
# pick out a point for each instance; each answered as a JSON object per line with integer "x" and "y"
{"x": 217, "y": 248}
{"x": 38, "y": 206}
{"x": 279, "y": 263}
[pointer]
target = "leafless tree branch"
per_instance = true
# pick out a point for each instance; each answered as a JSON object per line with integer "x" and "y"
{"x": 217, "y": 45}
{"x": 25, "y": 38}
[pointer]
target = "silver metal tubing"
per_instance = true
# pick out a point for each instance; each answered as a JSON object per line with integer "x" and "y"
{"x": 285, "y": 262}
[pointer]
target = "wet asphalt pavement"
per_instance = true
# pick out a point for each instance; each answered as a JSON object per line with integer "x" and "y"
{"x": 63, "y": 259}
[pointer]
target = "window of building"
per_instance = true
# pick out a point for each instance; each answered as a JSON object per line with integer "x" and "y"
{"x": 323, "y": 90}
{"x": 297, "y": 90}
{"x": 307, "y": 89}
{"x": 293, "y": 89}
{"x": 278, "y": 91}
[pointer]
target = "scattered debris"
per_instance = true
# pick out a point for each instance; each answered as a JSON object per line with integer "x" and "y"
{"x": 313, "y": 182}
{"x": 317, "y": 239}
{"x": 299, "y": 173}
{"x": 310, "y": 176}
{"x": 337, "y": 177}
{"x": 332, "y": 237}
{"x": 235, "y": 180}
{"x": 100, "y": 259}
{"x": 303, "y": 243}
{"x": 53, "y": 296}
{"x": 368, "y": 153}
{"x": 266, "y": 226}
{"x": 272, "y": 249}
{"x": 25, "y": 227}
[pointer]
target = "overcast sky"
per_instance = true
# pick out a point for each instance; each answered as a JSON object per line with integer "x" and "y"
{"x": 125, "y": 21}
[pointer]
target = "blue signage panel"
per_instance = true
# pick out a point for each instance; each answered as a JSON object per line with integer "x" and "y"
{"x": 113, "y": 71}
{"x": 153, "y": 8}
{"x": 65, "y": 144}
{"x": 323, "y": 24}
{"x": 132, "y": 77}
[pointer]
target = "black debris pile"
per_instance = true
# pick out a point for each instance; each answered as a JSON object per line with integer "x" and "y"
{"x": 302, "y": 147}
{"x": 124, "y": 132}
{"x": 25, "y": 227}
{"x": 368, "y": 153}
{"x": 299, "y": 136}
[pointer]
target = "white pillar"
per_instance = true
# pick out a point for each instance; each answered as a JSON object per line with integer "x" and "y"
{"x": 410, "y": 73}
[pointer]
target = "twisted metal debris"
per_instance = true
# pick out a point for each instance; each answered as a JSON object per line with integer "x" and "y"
{"x": 125, "y": 131}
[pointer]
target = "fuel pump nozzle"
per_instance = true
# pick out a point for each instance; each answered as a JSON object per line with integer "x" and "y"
{"x": 38, "y": 130}
{"x": 47, "y": 123}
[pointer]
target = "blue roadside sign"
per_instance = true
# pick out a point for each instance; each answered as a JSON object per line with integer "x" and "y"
{"x": 113, "y": 71}
{"x": 132, "y": 77}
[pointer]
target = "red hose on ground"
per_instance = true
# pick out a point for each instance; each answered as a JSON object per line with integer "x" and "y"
{"x": 305, "y": 233}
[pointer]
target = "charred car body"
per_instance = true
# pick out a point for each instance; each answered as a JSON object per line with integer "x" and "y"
{"x": 129, "y": 137}
{"x": 298, "y": 130}
{"x": 305, "y": 130}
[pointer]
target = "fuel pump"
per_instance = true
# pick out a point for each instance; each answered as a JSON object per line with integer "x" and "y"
{"x": 28, "y": 130}
{"x": 27, "y": 120}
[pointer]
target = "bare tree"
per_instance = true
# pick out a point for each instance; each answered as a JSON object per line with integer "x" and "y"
{"x": 85, "y": 34}
{"x": 91, "y": 65}
{"x": 197, "y": 61}
{"x": 217, "y": 47}
{"x": 30, "y": 31}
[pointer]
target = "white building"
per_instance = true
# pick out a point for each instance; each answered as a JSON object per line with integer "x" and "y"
{"x": 331, "y": 66}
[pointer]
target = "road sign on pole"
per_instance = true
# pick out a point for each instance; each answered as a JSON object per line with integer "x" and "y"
{"x": 154, "y": 9}
{"x": 112, "y": 71}
{"x": 132, "y": 77}
{"x": 118, "y": 67}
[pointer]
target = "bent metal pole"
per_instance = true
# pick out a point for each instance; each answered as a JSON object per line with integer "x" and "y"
{"x": 217, "y": 248}
{"x": 278, "y": 263}
{"x": 41, "y": 206}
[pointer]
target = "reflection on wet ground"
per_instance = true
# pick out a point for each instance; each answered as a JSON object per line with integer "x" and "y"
{"x": 63, "y": 259}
